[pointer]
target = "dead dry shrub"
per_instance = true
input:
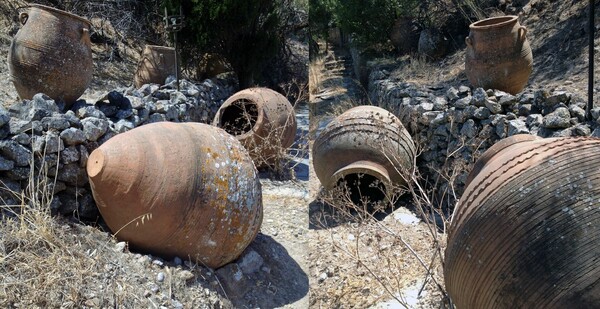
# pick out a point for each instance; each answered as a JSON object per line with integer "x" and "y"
{"x": 387, "y": 260}
{"x": 268, "y": 152}
{"x": 42, "y": 260}
{"x": 316, "y": 75}
{"x": 51, "y": 262}
{"x": 416, "y": 69}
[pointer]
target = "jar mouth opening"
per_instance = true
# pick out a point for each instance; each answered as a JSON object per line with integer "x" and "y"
{"x": 55, "y": 10}
{"x": 240, "y": 118}
{"x": 494, "y": 22}
{"x": 363, "y": 189}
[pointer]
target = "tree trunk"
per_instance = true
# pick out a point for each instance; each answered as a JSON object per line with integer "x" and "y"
{"x": 245, "y": 77}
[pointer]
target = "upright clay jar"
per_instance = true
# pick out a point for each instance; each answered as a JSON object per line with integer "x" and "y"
{"x": 51, "y": 54}
{"x": 498, "y": 54}
{"x": 158, "y": 62}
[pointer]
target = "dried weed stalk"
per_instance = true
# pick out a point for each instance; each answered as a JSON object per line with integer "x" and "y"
{"x": 268, "y": 152}
{"x": 50, "y": 262}
{"x": 402, "y": 260}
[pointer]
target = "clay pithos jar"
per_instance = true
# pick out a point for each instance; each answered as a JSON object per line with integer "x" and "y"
{"x": 368, "y": 150}
{"x": 158, "y": 62}
{"x": 498, "y": 54}
{"x": 262, "y": 120}
{"x": 526, "y": 231}
{"x": 51, "y": 54}
{"x": 196, "y": 196}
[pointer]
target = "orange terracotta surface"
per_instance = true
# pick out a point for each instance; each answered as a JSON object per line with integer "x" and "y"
{"x": 158, "y": 62}
{"x": 526, "y": 231}
{"x": 369, "y": 138}
{"x": 172, "y": 189}
{"x": 272, "y": 128}
{"x": 51, "y": 54}
{"x": 498, "y": 54}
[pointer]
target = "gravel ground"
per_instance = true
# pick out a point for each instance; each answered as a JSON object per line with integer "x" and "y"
{"x": 274, "y": 268}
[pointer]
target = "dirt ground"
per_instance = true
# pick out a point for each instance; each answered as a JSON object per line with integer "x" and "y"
{"x": 312, "y": 257}
{"x": 388, "y": 261}
{"x": 351, "y": 265}
{"x": 104, "y": 273}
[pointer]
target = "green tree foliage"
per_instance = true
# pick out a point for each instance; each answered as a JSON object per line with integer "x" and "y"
{"x": 244, "y": 32}
{"x": 369, "y": 21}
{"x": 321, "y": 16}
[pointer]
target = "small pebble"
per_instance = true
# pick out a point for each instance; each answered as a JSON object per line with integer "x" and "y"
{"x": 160, "y": 277}
{"x": 120, "y": 246}
{"x": 186, "y": 275}
{"x": 158, "y": 262}
{"x": 266, "y": 269}
{"x": 322, "y": 277}
{"x": 177, "y": 305}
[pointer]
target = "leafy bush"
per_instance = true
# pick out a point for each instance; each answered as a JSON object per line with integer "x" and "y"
{"x": 244, "y": 32}
{"x": 320, "y": 16}
{"x": 369, "y": 21}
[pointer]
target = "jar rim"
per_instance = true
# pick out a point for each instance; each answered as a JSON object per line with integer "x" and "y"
{"x": 494, "y": 22}
{"x": 55, "y": 10}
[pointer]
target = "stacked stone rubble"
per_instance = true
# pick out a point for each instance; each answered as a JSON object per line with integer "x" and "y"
{"x": 59, "y": 142}
{"x": 454, "y": 126}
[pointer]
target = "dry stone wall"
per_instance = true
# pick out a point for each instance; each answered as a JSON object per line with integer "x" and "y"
{"x": 454, "y": 126}
{"x": 58, "y": 142}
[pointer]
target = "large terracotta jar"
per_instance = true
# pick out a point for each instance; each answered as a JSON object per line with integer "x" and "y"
{"x": 51, "y": 54}
{"x": 211, "y": 65}
{"x": 178, "y": 189}
{"x": 263, "y": 120}
{"x": 368, "y": 150}
{"x": 158, "y": 62}
{"x": 498, "y": 54}
{"x": 526, "y": 231}
{"x": 404, "y": 35}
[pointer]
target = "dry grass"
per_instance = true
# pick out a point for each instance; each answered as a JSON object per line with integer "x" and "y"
{"x": 45, "y": 263}
{"x": 328, "y": 94}
{"x": 280, "y": 164}
{"x": 49, "y": 262}
{"x": 371, "y": 257}
{"x": 316, "y": 75}
{"x": 325, "y": 78}
{"x": 364, "y": 254}
{"x": 415, "y": 69}
{"x": 471, "y": 6}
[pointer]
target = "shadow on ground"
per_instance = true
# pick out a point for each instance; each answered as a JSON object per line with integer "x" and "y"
{"x": 322, "y": 215}
{"x": 567, "y": 40}
{"x": 268, "y": 277}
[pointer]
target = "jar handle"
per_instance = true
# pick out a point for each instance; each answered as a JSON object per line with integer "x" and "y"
{"x": 522, "y": 33}
{"x": 23, "y": 17}
{"x": 469, "y": 41}
{"x": 85, "y": 37}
